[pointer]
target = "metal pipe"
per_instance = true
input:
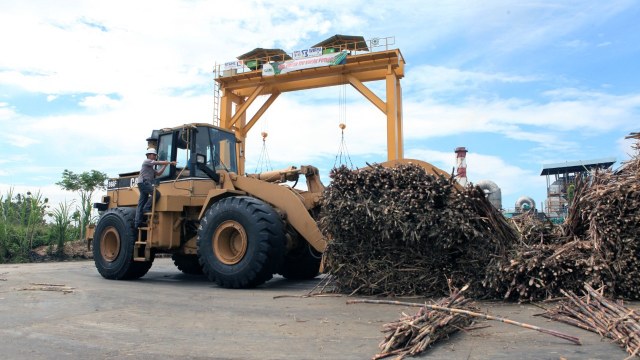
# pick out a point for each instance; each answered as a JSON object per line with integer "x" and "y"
{"x": 288, "y": 174}
{"x": 492, "y": 191}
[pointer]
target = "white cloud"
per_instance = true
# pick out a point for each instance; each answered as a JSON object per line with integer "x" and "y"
{"x": 6, "y": 111}
{"x": 568, "y": 110}
{"x": 175, "y": 47}
{"x": 576, "y": 44}
{"x": 98, "y": 102}
{"x": 630, "y": 148}
{"x": 428, "y": 80}
{"x": 20, "y": 140}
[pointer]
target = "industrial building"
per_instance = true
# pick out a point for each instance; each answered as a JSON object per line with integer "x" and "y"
{"x": 561, "y": 177}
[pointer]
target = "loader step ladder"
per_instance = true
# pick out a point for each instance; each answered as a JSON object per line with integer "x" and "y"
{"x": 141, "y": 252}
{"x": 140, "y": 246}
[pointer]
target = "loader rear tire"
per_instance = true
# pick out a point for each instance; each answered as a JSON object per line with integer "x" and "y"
{"x": 302, "y": 263}
{"x": 113, "y": 243}
{"x": 188, "y": 264}
{"x": 240, "y": 242}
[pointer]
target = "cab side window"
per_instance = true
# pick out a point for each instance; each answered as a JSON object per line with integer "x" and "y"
{"x": 165, "y": 150}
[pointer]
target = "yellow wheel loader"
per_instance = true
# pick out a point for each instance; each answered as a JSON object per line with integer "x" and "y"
{"x": 239, "y": 230}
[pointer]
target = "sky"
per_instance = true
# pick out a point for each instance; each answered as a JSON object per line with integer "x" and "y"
{"x": 520, "y": 84}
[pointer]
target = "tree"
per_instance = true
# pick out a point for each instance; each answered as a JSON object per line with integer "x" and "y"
{"x": 85, "y": 185}
{"x": 61, "y": 226}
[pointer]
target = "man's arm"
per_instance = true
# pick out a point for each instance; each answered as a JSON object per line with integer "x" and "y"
{"x": 164, "y": 164}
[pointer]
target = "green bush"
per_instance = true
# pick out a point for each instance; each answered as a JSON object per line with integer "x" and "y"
{"x": 22, "y": 224}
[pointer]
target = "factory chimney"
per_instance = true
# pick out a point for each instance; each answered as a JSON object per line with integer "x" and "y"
{"x": 461, "y": 164}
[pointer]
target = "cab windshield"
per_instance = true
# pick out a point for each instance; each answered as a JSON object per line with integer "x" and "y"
{"x": 218, "y": 146}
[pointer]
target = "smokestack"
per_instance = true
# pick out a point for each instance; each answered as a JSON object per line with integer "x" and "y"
{"x": 461, "y": 164}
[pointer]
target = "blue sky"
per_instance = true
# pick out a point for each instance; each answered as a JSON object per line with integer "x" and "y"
{"x": 519, "y": 83}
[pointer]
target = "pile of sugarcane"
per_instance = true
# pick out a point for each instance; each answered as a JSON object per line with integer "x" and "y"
{"x": 598, "y": 244}
{"x": 543, "y": 262}
{"x": 594, "y": 312}
{"x": 606, "y": 212}
{"x": 403, "y": 231}
{"x": 539, "y": 271}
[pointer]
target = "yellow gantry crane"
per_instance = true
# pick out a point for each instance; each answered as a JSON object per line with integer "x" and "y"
{"x": 238, "y": 91}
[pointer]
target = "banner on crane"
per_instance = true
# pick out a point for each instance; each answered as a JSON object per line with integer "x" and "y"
{"x": 282, "y": 67}
{"x": 232, "y": 65}
{"x": 307, "y": 53}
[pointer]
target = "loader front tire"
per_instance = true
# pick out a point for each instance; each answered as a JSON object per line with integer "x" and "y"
{"x": 240, "y": 242}
{"x": 113, "y": 243}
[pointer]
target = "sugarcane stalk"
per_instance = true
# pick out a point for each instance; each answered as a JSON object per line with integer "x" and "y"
{"x": 570, "y": 338}
{"x": 607, "y": 318}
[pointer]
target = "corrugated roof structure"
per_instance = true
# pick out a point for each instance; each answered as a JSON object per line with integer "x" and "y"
{"x": 263, "y": 54}
{"x": 576, "y": 166}
{"x": 344, "y": 42}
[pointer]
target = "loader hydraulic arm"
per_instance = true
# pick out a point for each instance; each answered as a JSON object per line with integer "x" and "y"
{"x": 292, "y": 204}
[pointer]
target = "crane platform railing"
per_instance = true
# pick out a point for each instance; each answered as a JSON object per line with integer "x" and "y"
{"x": 255, "y": 63}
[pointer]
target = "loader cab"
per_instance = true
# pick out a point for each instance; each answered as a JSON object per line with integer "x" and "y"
{"x": 215, "y": 147}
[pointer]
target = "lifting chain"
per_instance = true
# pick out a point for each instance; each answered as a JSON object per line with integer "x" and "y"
{"x": 264, "y": 163}
{"x": 343, "y": 158}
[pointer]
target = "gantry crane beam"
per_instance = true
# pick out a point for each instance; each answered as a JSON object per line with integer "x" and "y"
{"x": 242, "y": 89}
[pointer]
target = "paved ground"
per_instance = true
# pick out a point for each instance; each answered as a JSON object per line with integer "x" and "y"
{"x": 169, "y": 315}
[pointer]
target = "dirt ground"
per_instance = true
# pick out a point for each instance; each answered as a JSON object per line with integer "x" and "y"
{"x": 74, "y": 250}
{"x": 67, "y": 310}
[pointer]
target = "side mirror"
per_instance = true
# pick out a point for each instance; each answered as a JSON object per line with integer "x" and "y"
{"x": 201, "y": 163}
